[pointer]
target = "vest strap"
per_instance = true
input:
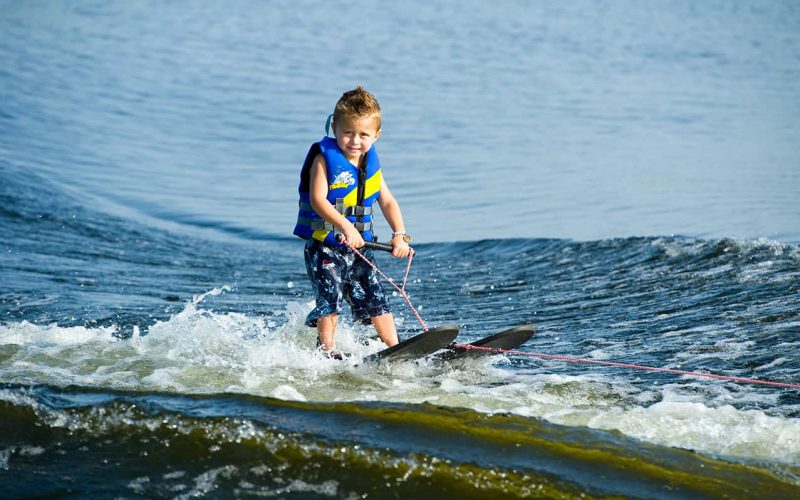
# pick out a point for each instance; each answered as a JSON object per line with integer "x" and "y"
{"x": 356, "y": 211}
{"x": 323, "y": 225}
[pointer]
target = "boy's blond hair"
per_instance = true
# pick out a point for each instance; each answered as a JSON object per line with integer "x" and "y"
{"x": 357, "y": 103}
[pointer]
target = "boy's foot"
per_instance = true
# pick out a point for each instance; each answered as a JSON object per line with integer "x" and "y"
{"x": 336, "y": 355}
{"x": 332, "y": 354}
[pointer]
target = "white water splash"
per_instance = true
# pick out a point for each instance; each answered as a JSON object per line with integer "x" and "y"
{"x": 201, "y": 351}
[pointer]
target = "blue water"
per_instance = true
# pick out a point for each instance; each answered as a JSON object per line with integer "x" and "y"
{"x": 587, "y": 121}
{"x": 623, "y": 175}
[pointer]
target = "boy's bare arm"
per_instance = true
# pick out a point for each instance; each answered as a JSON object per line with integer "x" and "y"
{"x": 391, "y": 210}
{"x": 319, "y": 202}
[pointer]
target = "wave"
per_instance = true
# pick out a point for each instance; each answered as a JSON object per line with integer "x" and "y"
{"x": 30, "y": 202}
{"x": 202, "y": 351}
{"x": 161, "y": 443}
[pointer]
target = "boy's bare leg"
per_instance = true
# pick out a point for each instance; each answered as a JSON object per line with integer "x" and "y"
{"x": 326, "y": 331}
{"x": 384, "y": 325}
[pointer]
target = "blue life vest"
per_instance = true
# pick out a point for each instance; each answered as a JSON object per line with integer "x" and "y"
{"x": 351, "y": 190}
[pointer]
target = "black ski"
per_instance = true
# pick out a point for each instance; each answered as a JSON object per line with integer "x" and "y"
{"x": 418, "y": 346}
{"x": 507, "y": 339}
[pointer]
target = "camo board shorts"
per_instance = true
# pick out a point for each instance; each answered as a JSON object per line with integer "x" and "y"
{"x": 337, "y": 275}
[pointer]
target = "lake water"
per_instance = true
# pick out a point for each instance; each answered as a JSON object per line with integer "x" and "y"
{"x": 623, "y": 175}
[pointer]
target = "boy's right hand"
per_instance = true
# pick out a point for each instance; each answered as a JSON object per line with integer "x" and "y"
{"x": 353, "y": 237}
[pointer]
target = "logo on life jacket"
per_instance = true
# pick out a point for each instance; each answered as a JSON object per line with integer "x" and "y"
{"x": 343, "y": 180}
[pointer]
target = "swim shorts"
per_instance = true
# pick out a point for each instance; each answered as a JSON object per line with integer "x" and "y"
{"x": 337, "y": 275}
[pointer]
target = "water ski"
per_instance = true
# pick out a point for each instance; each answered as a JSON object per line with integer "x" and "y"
{"x": 507, "y": 339}
{"x": 418, "y": 346}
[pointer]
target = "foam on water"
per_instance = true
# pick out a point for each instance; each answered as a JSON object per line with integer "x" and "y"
{"x": 201, "y": 351}
{"x": 723, "y": 431}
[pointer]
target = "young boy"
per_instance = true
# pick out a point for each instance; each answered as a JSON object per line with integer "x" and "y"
{"x": 340, "y": 181}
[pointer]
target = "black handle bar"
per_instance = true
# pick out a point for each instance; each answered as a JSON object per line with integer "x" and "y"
{"x": 370, "y": 244}
{"x": 375, "y": 245}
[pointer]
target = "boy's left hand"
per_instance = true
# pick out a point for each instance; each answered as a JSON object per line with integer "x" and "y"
{"x": 400, "y": 248}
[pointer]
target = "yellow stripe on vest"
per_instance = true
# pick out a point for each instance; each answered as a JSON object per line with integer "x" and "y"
{"x": 320, "y": 234}
{"x": 371, "y": 186}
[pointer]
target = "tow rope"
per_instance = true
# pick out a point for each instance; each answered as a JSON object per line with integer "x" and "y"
{"x": 400, "y": 289}
{"x": 569, "y": 359}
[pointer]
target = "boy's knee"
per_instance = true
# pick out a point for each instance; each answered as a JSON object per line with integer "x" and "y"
{"x": 327, "y": 321}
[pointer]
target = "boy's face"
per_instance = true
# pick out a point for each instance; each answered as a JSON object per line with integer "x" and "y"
{"x": 356, "y": 135}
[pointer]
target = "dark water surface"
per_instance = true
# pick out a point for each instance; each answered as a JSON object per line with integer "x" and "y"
{"x": 626, "y": 179}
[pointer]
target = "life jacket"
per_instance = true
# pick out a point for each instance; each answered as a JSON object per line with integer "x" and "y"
{"x": 351, "y": 190}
